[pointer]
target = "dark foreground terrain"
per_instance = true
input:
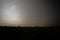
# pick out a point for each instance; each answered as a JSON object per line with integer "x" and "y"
{"x": 30, "y": 32}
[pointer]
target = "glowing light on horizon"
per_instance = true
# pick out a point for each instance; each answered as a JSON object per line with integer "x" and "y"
{"x": 11, "y": 15}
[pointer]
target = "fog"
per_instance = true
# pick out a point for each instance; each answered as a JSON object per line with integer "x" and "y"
{"x": 28, "y": 12}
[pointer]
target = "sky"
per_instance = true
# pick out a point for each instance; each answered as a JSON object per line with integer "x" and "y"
{"x": 28, "y": 12}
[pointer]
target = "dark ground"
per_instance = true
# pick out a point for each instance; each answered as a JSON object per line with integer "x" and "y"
{"x": 30, "y": 32}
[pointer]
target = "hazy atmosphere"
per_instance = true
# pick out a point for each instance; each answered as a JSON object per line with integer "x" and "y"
{"x": 28, "y": 12}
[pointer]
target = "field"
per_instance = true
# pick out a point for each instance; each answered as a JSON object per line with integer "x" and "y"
{"x": 30, "y": 32}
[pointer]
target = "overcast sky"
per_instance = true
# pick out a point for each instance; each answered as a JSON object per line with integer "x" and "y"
{"x": 28, "y": 12}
